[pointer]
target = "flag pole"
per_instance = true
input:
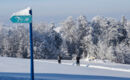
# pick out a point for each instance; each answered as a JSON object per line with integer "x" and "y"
{"x": 31, "y": 49}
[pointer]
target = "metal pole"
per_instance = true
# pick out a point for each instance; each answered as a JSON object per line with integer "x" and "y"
{"x": 31, "y": 49}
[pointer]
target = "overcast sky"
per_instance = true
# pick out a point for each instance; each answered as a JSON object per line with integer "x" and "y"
{"x": 51, "y": 10}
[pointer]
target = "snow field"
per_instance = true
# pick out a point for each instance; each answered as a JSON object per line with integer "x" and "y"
{"x": 15, "y": 69}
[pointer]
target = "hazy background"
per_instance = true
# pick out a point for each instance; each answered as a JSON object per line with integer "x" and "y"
{"x": 58, "y": 10}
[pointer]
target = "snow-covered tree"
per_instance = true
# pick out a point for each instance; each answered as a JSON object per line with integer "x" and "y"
{"x": 69, "y": 35}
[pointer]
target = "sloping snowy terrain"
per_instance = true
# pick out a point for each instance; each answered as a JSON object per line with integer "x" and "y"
{"x": 18, "y": 69}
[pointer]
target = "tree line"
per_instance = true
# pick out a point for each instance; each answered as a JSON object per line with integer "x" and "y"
{"x": 102, "y": 38}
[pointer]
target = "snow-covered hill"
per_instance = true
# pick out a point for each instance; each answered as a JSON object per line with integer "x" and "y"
{"x": 18, "y": 69}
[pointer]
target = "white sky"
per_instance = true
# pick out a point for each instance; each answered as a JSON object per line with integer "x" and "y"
{"x": 50, "y": 10}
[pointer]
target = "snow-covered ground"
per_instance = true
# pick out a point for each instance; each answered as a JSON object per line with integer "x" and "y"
{"x": 19, "y": 69}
